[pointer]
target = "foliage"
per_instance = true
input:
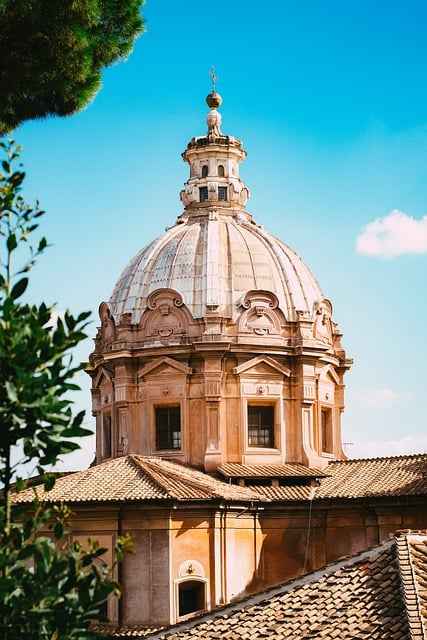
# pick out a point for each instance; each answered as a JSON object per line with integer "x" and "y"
{"x": 48, "y": 592}
{"x": 52, "y": 54}
{"x": 50, "y": 587}
{"x": 35, "y": 366}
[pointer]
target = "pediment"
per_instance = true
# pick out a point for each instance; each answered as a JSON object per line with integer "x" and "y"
{"x": 163, "y": 366}
{"x": 262, "y": 365}
{"x": 329, "y": 374}
{"x": 103, "y": 376}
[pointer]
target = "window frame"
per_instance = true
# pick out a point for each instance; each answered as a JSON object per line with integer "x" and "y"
{"x": 203, "y": 194}
{"x": 270, "y": 443}
{"x": 326, "y": 430}
{"x": 158, "y": 407}
{"x": 222, "y": 191}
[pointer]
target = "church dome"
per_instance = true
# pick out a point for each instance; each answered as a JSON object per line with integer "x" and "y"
{"x": 215, "y": 253}
{"x": 212, "y": 261}
{"x": 217, "y": 345}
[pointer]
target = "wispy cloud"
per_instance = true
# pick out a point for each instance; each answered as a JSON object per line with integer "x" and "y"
{"x": 405, "y": 445}
{"x": 393, "y": 235}
{"x": 382, "y": 398}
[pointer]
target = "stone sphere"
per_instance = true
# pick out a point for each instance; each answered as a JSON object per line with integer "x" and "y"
{"x": 214, "y": 100}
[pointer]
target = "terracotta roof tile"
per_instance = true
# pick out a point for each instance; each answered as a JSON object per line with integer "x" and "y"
{"x": 393, "y": 476}
{"x": 412, "y": 550}
{"x": 236, "y": 470}
{"x": 136, "y": 478}
{"x": 359, "y": 597}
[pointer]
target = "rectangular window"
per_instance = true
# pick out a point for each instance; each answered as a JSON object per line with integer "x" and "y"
{"x": 106, "y": 435}
{"x": 260, "y": 426}
{"x": 203, "y": 193}
{"x": 222, "y": 193}
{"x": 168, "y": 427}
{"x": 326, "y": 424}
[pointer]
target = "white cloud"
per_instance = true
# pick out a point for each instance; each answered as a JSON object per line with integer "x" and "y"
{"x": 405, "y": 445}
{"x": 393, "y": 235}
{"x": 381, "y": 398}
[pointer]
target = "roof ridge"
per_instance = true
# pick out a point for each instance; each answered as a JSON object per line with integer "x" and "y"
{"x": 185, "y": 478}
{"x": 136, "y": 460}
{"x": 405, "y": 456}
{"x": 409, "y": 585}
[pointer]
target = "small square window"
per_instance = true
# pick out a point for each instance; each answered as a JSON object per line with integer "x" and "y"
{"x": 203, "y": 193}
{"x": 222, "y": 193}
{"x": 260, "y": 426}
{"x": 168, "y": 427}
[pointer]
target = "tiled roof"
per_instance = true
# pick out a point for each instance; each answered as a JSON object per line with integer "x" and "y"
{"x": 236, "y": 470}
{"x": 136, "y": 478}
{"x": 412, "y": 549}
{"x": 418, "y": 551}
{"x": 378, "y": 594}
{"x": 393, "y": 476}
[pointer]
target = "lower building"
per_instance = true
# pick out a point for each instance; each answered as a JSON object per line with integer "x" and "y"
{"x": 203, "y": 541}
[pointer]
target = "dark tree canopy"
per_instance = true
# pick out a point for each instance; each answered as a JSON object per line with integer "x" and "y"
{"x": 52, "y": 53}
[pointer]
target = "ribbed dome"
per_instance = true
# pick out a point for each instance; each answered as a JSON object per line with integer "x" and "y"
{"x": 213, "y": 261}
{"x": 215, "y": 254}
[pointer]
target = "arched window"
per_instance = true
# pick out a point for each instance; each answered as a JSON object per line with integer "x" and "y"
{"x": 191, "y": 597}
{"x": 220, "y": 170}
{"x": 205, "y": 170}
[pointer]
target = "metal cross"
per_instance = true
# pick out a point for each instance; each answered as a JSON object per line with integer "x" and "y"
{"x": 214, "y": 78}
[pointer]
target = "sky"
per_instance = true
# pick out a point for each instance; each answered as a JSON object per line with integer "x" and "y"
{"x": 330, "y": 100}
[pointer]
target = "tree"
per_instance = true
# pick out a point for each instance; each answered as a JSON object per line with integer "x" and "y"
{"x": 52, "y": 54}
{"x": 49, "y": 589}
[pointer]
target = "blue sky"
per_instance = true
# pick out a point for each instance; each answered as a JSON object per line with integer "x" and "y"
{"x": 330, "y": 100}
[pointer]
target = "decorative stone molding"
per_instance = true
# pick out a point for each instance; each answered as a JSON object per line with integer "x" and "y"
{"x": 166, "y": 319}
{"x": 191, "y": 568}
{"x": 261, "y": 316}
{"x": 322, "y": 327}
{"x": 108, "y": 327}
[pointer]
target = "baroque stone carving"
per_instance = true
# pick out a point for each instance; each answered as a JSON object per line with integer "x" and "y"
{"x": 260, "y": 317}
{"x": 322, "y": 329}
{"x": 108, "y": 327}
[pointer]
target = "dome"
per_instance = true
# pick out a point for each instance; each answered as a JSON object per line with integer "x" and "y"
{"x": 215, "y": 253}
{"x": 212, "y": 261}
{"x": 217, "y": 345}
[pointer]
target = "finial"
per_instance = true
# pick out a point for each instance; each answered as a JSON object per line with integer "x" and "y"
{"x": 214, "y": 78}
{"x": 213, "y": 100}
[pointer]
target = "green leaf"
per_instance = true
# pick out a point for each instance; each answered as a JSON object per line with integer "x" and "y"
{"x": 11, "y": 391}
{"x": 58, "y": 530}
{"x": 11, "y": 242}
{"x": 19, "y": 288}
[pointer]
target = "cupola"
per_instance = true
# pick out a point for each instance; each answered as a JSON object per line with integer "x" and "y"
{"x": 214, "y": 161}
